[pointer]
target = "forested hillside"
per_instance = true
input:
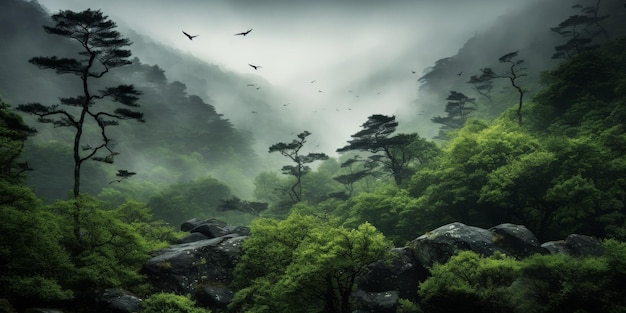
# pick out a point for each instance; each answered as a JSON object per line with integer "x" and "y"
{"x": 183, "y": 137}
{"x": 540, "y": 144}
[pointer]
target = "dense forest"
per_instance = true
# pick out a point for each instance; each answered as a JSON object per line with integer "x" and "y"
{"x": 84, "y": 203}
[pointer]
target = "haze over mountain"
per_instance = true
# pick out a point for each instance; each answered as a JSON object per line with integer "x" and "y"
{"x": 326, "y": 66}
{"x": 367, "y": 47}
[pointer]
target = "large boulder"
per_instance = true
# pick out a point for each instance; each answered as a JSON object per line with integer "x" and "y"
{"x": 516, "y": 240}
{"x": 575, "y": 245}
{"x": 117, "y": 300}
{"x": 215, "y": 296}
{"x": 437, "y": 246}
{"x": 191, "y": 238}
{"x": 400, "y": 275}
{"x": 189, "y": 268}
{"x": 212, "y": 228}
{"x": 191, "y": 224}
{"x": 376, "y": 302}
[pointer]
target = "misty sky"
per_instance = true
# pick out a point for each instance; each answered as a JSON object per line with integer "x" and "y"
{"x": 369, "y": 46}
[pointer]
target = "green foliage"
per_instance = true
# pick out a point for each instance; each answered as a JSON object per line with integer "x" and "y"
{"x": 34, "y": 266}
{"x": 406, "y": 306}
{"x": 185, "y": 200}
{"x": 108, "y": 251}
{"x": 303, "y": 264}
{"x": 13, "y": 134}
{"x": 49, "y": 161}
{"x": 156, "y": 232}
{"x": 386, "y": 209}
{"x": 540, "y": 283}
{"x": 170, "y": 303}
{"x": 558, "y": 283}
{"x": 471, "y": 283}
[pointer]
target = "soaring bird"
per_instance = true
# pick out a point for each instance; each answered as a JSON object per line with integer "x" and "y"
{"x": 244, "y": 33}
{"x": 256, "y": 67}
{"x": 189, "y": 36}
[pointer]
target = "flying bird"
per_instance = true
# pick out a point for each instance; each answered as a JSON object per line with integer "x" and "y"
{"x": 190, "y": 36}
{"x": 460, "y": 73}
{"x": 413, "y": 72}
{"x": 256, "y": 67}
{"x": 312, "y": 81}
{"x": 244, "y": 33}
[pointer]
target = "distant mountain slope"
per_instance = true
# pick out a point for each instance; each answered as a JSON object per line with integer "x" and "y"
{"x": 527, "y": 31}
{"x": 184, "y": 137}
{"x": 255, "y": 110}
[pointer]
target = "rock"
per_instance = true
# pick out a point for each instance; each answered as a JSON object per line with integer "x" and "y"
{"x": 556, "y": 247}
{"x": 439, "y": 245}
{"x": 6, "y": 307}
{"x": 190, "y": 224}
{"x": 117, "y": 300}
{"x": 575, "y": 245}
{"x": 516, "y": 240}
{"x": 402, "y": 275}
{"x": 191, "y": 238}
{"x": 376, "y": 302}
{"x": 214, "y": 230}
{"x": 215, "y": 296}
{"x": 188, "y": 267}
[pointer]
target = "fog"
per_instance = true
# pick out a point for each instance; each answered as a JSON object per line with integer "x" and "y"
{"x": 325, "y": 65}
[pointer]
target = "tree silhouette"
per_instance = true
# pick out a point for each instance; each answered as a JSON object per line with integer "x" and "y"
{"x": 13, "y": 134}
{"x": 101, "y": 48}
{"x": 457, "y": 110}
{"x": 348, "y": 180}
{"x": 513, "y": 74}
{"x": 292, "y": 151}
{"x": 482, "y": 85}
{"x": 579, "y": 30}
{"x": 376, "y": 137}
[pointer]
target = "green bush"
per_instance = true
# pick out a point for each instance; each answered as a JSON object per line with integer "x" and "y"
{"x": 170, "y": 303}
{"x": 468, "y": 282}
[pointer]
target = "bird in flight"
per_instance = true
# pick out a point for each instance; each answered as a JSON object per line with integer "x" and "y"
{"x": 413, "y": 72}
{"x": 244, "y": 33}
{"x": 312, "y": 81}
{"x": 256, "y": 67}
{"x": 460, "y": 73}
{"x": 190, "y": 36}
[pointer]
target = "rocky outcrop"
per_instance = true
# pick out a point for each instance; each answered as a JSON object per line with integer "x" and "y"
{"x": 200, "y": 264}
{"x": 401, "y": 277}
